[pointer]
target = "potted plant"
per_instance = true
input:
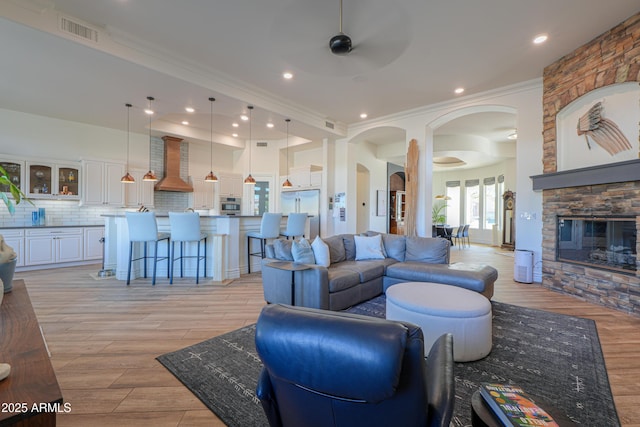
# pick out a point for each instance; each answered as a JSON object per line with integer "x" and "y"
{"x": 438, "y": 213}
{"x": 8, "y": 257}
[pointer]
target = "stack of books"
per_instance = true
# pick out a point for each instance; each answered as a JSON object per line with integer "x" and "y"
{"x": 513, "y": 407}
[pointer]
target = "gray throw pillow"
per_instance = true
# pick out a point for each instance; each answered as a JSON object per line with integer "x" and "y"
{"x": 282, "y": 249}
{"x": 427, "y": 249}
{"x": 302, "y": 252}
{"x": 336, "y": 248}
{"x": 349, "y": 247}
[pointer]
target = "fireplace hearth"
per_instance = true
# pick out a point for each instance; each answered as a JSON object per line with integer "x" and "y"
{"x": 605, "y": 243}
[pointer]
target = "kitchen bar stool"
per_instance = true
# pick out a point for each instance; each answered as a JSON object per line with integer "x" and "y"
{"x": 295, "y": 225}
{"x": 185, "y": 227}
{"x": 143, "y": 228}
{"x": 269, "y": 229}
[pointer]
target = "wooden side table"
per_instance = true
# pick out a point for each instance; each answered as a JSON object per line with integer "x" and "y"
{"x": 291, "y": 266}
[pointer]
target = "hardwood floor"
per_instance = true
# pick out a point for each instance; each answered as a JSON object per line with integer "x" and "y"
{"x": 104, "y": 337}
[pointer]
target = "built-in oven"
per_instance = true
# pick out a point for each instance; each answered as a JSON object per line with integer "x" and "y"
{"x": 230, "y": 205}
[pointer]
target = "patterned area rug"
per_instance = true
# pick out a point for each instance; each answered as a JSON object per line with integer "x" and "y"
{"x": 552, "y": 356}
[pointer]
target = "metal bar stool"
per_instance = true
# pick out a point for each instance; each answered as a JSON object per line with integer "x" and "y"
{"x": 269, "y": 229}
{"x": 185, "y": 227}
{"x": 295, "y": 225}
{"x": 143, "y": 228}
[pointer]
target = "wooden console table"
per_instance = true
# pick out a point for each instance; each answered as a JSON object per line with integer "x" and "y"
{"x": 30, "y": 395}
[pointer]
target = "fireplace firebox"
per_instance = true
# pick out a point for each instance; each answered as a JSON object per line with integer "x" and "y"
{"x": 606, "y": 243}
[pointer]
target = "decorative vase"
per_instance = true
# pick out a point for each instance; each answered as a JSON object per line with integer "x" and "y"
{"x": 7, "y": 270}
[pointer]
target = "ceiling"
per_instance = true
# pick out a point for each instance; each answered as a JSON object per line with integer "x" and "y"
{"x": 407, "y": 54}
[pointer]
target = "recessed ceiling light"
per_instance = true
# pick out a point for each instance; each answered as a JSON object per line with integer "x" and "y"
{"x": 244, "y": 117}
{"x": 189, "y": 109}
{"x": 459, "y": 90}
{"x": 270, "y": 125}
{"x": 363, "y": 115}
{"x": 540, "y": 39}
{"x": 184, "y": 122}
{"x": 235, "y": 125}
{"x": 148, "y": 111}
{"x": 235, "y": 135}
{"x": 287, "y": 75}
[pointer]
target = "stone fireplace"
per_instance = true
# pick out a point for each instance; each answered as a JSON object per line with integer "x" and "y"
{"x": 611, "y": 190}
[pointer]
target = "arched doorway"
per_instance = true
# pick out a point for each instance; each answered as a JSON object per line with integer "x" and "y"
{"x": 363, "y": 198}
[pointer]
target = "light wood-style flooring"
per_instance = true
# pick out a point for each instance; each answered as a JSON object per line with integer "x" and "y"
{"x": 104, "y": 337}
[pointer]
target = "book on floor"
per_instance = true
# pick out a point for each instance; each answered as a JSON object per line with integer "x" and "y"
{"x": 513, "y": 407}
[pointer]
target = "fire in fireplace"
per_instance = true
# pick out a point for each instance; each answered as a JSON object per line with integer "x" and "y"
{"x": 607, "y": 243}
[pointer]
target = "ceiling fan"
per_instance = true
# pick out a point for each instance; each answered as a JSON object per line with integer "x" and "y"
{"x": 340, "y": 44}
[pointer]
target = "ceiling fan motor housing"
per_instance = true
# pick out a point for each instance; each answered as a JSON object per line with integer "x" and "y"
{"x": 340, "y": 44}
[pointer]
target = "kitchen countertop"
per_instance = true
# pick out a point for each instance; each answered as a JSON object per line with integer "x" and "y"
{"x": 10, "y": 227}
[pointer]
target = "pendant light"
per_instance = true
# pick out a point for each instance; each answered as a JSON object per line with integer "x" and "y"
{"x": 127, "y": 178}
{"x": 287, "y": 183}
{"x": 249, "y": 180}
{"x": 150, "y": 176}
{"x": 211, "y": 177}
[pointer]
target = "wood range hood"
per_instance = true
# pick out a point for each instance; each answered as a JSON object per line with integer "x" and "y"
{"x": 172, "y": 180}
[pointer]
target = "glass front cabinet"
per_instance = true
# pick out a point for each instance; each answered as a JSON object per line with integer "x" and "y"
{"x": 49, "y": 180}
{"x": 15, "y": 172}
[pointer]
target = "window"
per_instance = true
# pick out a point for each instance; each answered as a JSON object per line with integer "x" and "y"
{"x": 453, "y": 203}
{"x": 500, "y": 192}
{"x": 489, "y": 202}
{"x": 260, "y": 198}
{"x": 472, "y": 203}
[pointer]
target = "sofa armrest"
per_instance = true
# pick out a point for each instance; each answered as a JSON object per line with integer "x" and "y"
{"x": 312, "y": 285}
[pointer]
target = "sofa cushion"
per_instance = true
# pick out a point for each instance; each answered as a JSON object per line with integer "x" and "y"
{"x": 475, "y": 277}
{"x": 341, "y": 279}
{"x": 369, "y": 247}
{"x": 321, "y": 252}
{"x": 302, "y": 252}
{"x": 282, "y": 249}
{"x": 395, "y": 246}
{"x": 349, "y": 246}
{"x": 427, "y": 249}
{"x": 368, "y": 270}
{"x": 336, "y": 248}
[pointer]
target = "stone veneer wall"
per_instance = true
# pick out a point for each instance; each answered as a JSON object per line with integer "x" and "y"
{"x": 613, "y": 57}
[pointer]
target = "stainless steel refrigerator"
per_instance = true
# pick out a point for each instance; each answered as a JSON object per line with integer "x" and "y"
{"x": 303, "y": 201}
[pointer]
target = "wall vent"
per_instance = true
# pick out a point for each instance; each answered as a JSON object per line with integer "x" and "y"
{"x": 261, "y": 144}
{"x": 329, "y": 125}
{"x": 76, "y": 29}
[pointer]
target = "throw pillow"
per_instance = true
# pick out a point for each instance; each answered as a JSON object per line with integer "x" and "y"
{"x": 336, "y": 248}
{"x": 368, "y": 247}
{"x": 282, "y": 249}
{"x": 427, "y": 249}
{"x": 302, "y": 252}
{"x": 321, "y": 252}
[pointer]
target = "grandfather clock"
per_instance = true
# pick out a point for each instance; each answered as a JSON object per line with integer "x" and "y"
{"x": 508, "y": 223}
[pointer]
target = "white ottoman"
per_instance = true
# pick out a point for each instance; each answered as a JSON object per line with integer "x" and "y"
{"x": 439, "y": 309}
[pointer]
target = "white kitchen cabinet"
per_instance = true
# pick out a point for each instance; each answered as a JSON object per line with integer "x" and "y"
{"x": 101, "y": 184}
{"x": 53, "y": 245}
{"x": 15, "y": 239}
{"x": 92, "y": 244}
{"x": 204, "y": 194}
{"x": 231, "y": 185}
{"x": 305, "y": 177}
{"x": 53, "y": 180}
{"x": 139, "y": 193}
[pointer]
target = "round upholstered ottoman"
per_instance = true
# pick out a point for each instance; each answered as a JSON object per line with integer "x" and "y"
{"x": 439, "y": 309}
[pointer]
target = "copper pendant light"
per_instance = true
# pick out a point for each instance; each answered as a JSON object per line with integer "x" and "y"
{"x": 249, "y": 180}
{"x": 150, "y": 176}
{"x": 287, "y": 183}
{"x": 127, "y": 178}
{"x": 211, "y": 177}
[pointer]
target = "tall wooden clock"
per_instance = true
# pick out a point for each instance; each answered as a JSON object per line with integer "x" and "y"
{"x": 509, "y": 222}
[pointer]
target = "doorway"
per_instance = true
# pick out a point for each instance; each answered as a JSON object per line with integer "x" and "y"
{"x": 396, "y": 203}
{"x": 362, "y": 199}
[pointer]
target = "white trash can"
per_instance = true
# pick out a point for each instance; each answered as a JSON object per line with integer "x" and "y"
{"x": 523, "y": 266}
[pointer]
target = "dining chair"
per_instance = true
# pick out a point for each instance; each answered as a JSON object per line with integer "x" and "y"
{"x": 185, "y": 228}
{"x": 143, "y": 228}
{"x": 269, "y": 229}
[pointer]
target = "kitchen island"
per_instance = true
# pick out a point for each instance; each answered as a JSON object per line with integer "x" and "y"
{"x": 226, "y": 246}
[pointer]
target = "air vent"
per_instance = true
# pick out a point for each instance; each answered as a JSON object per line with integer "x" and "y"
{"x": 329, "y": 125}
{"x": 261, "y": 144}
{"x": 79, "y": 30}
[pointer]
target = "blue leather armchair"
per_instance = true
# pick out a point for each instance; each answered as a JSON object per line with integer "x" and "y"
{"x": 325, "y": 368}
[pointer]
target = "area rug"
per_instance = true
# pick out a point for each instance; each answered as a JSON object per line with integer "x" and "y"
{"x": 554, "y": 357}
